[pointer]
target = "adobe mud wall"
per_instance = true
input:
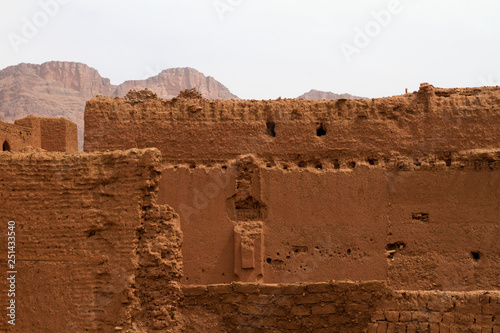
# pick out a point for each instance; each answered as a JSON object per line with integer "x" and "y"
{"x": 336, "y": 307}
{"x": 426, "y": 225}
{"x": 191, "y": 128}
{"x": 14, "y": 137}
{"x": 93, "y": 248}
{"x": 401, "y": 189}
{"x": 51, "y": 134}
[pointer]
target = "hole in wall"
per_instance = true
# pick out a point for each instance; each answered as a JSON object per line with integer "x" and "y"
{"x": 336, "y": 164}
{"x": 268, "y": 260}
{"x": 319, "y": 166}
{"x": 351, "y": 164}
{"x": 348, "y": 251}
{"x": 476, "y": 255}
{"x": 392, "y": 248}
{"x": 424, "y": 217}
{"x": 302, "y": 164}
{"x": 320, "y": 131}
{"x": 6, "y": 146}
{"x": 271, "y": 128}
{"x": 372, "y": 161}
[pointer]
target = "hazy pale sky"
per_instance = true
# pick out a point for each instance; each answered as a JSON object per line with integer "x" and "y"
{"x": 265, "y": 49}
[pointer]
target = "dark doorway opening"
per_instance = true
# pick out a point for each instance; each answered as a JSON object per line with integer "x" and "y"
{"x": 5, "y": 146}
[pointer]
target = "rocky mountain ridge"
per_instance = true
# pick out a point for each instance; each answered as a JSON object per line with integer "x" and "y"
{"x": 326, "y": 95}
{"x": 61, "y": 89}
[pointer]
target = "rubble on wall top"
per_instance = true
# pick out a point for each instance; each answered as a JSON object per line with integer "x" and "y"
{"x": 190, "y": 105}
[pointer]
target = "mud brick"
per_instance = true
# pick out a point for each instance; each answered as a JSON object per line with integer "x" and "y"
{"x": 240, "y": 319}
{"x": 322, "y": 287}
{"x": 261, "y": 299}
{"x": 496, "y": 329}
{"x": 486, "y": 329}
{"x": 448, "y": 318}
{"x": 229, "y": 308}
{"x": 474, "y": 329}
{"x": 323, "y": 309}
{"x": 284, "y": 300}
{"x": 313, "y": 321}
{"x": 289, "y": 324}
{"x": 491, "y": 309}
{"x": 419, "y": 316}
{"x": 444, "y": 328}
{"x": 435, "y": 317}
{"x": 484, "y": 319}
{"x": 233, "y": 298}
{"x": 382, "y": 327}
{"x": 391, "y": 328}
{"x": 484, "y": 298}
{"x": 372, "y": 328}
{"x": 220, "y": 288}
{"x": 391, "y": 316}
{"x": 293, "y": 289}
{"x": 405, "y": 316}
{"x": 377, "y": 316}
{"x": 400, "y": 327}
{"x": 411, "y": 328}
{"x": 251, "y": 309}
{"x": 273, "y": 289}
{"x": 194, "y": 290}
{"x": 441, "y": 303}
{"x": 275, "y": 311}
{"x": 248, "y": 288}
{"x": 309, "y": 299}
{"x": 248, "y": 329}
{"x": 423, "y": 327}
{"x": 433, "y": 328}
{"x": 300, "y": 310}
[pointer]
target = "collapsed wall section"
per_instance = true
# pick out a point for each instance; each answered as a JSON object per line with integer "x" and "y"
{"x": 336, "y": 307}
{"x": 93, "y": 249}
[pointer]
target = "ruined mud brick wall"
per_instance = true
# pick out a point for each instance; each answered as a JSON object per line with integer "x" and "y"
{"x": 190, "y": 128}
{"x": 402, "y": 189}
{"x": 94, "y": 251}
{"x": 14, "y": 137}
{"x": 336, "y": 307}
{"x": 52, "y": 134}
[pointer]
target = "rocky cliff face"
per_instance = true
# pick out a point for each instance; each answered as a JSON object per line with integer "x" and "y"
{"x": 61, "y": 89}
{"x": 325, "y": 95}
{"x": 170, "y": 82}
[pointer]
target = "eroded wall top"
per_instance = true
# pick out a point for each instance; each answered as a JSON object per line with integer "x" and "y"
{"x": 192, "y": 128}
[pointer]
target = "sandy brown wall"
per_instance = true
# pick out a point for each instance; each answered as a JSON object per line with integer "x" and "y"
{"x": 52, "y": 134}
{"x": 432, "y": 120}
{"x": 336, "y": 307}
{"x": 92, "y": 246}
{"x": 417, "y": 225}
{"x": 59, "y": 135}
